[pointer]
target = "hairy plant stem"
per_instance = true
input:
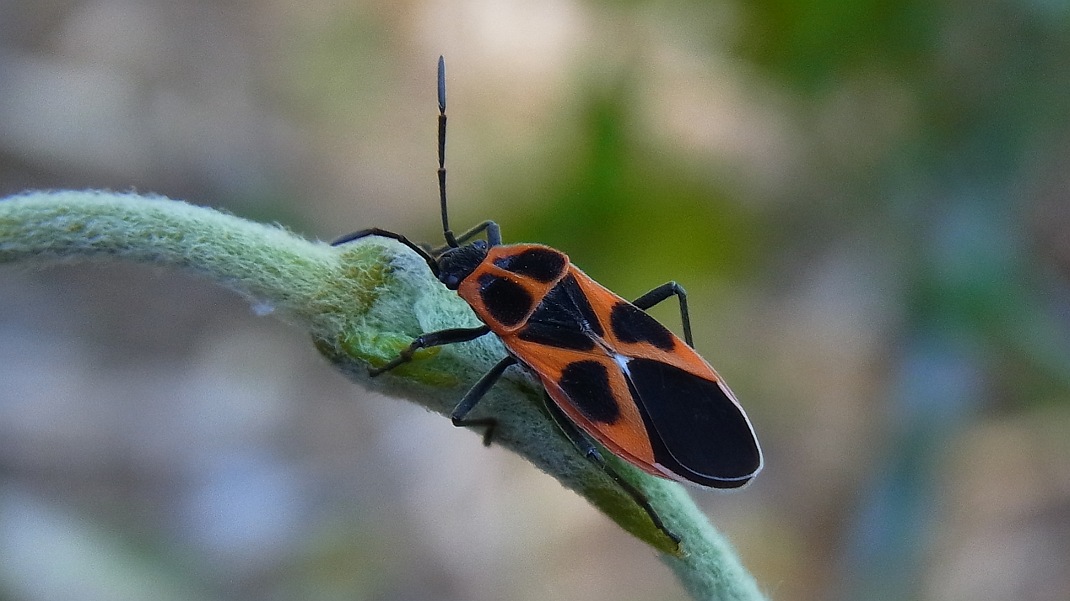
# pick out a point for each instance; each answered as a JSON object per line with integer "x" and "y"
{"x": 362, "y": 303}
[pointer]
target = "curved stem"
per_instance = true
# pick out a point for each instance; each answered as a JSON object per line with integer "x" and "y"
{"x": 259, "y": 261}
{"x": 362, "y": 303}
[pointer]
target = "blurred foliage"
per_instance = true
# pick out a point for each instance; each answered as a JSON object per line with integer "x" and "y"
{"x": 612, "y": 199}
{"x": 817, "y": 43}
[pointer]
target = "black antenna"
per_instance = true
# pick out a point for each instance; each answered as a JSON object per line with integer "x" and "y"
{"x": 451, "y": 241}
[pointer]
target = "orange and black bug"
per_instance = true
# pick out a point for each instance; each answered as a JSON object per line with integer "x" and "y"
{"x": 611, "y": 371}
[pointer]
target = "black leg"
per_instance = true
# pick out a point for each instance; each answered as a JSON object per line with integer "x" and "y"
{"x": 494, "y": 236}
{"x": 428, "y": 257}
{"x": 663, "y": 292}
{"x": 474, "y": 394}
{"x": 583, "y": 442}
{"x": 431, "y": 339}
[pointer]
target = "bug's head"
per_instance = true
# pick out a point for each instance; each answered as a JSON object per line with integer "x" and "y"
{"x": 456, "y": 264}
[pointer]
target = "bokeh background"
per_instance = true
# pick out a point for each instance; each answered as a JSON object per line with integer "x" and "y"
{"x": 869, "y": 203}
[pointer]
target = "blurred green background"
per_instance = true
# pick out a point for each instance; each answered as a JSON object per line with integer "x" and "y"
{"x": 868, "y": 202}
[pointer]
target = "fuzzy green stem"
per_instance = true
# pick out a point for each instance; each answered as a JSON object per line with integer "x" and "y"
{"x": 362, "y": 303}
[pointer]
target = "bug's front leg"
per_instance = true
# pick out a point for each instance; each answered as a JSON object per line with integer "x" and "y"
{"x": 429, "y": 339}
{"x": 494, "y": 236}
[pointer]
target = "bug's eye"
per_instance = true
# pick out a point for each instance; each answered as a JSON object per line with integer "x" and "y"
{"x": 450, "y": 280}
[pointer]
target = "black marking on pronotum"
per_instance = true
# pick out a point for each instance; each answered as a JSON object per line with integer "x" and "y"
{"x": 587, "y": 385}
{"x": 711, "y": 438}
{"x": 630, "y": 324}
{"x": 506, "y": 301}
{"x": 539, "y": 264}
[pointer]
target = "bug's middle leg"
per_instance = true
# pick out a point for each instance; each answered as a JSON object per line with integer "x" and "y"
{"x": 663, "y": 292}
{"x": 473, "y": 396}
{"x": 431, "y": 339}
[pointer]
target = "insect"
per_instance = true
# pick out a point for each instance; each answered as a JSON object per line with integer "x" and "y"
{"x": 610, "y": 371}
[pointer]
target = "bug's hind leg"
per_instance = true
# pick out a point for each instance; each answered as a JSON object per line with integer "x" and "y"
{"x": 663, "y": 292}
{"x": 585, "y": 445}
{"x": 473, "y": 396}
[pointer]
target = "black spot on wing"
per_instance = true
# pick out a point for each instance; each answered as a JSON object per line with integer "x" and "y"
{"x": 557, "y": 336}
{"x": 631, "y": 324}
{"x": 566, "y": 307}
{"x": 540, "y": 264}
{"x": 586, "y": 383}
{"x": 563, "y": 319}
{"x": 699, "y": 432}
{"x": 506, "y": 301}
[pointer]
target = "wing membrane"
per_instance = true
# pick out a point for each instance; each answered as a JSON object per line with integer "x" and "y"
{"x": 704, "y": 434}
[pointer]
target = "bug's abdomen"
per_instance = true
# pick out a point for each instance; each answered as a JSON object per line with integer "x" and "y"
{"x": 634, "y": 386}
